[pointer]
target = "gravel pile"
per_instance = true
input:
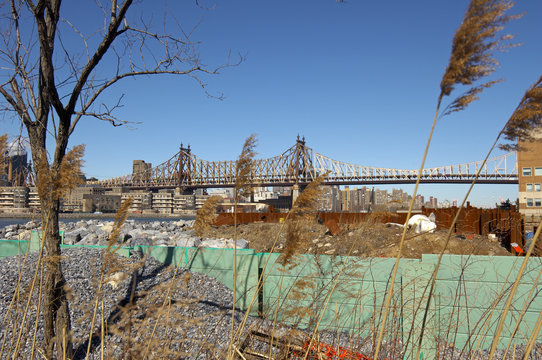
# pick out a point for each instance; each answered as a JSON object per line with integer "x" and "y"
{"x": 198, "y": 324}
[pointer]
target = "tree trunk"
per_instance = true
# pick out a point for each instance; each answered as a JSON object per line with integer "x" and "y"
{"x": 56, "y": 314}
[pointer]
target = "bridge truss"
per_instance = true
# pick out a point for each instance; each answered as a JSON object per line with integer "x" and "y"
{"x": 300, "y": 165}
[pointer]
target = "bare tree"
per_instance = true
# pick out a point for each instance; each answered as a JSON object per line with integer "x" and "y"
{"x": 50, "y": 85}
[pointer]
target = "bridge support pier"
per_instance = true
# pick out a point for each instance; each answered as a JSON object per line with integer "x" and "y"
{"x": 295, "y": 193}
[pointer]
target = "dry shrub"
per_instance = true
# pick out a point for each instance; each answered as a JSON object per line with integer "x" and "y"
{"x": 206, "y": 215}
{"x": 55, "y": 183}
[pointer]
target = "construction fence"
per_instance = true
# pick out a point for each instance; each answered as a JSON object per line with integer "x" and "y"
{"x": 347, "y": 293}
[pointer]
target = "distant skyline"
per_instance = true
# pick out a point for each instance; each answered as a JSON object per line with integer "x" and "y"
{"x": 359, "y": 80}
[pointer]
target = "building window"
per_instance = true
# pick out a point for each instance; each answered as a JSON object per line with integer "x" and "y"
{"x": 529, "y": 202}
{"x": 527, "y": 171}
{"x": 538, "y": 202}
{"x": 536, "y": 187}
{"x": 528, "y": 187}
{"x": 538, "y": 171}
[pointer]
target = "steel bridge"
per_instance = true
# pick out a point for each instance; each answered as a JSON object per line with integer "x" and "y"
{"x": 300, "y": 165}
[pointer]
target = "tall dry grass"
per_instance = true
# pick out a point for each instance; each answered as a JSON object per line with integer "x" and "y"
{"x": 244, "y": 168}
{"x": 472, "y": 59}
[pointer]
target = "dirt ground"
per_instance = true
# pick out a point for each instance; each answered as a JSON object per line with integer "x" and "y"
{"x": 368, "y": 240}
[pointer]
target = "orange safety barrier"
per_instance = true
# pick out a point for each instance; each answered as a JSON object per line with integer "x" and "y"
{"x": 322, "y": 351}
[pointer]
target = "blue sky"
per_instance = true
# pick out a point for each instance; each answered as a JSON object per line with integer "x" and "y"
{"x": 358, "y": 79}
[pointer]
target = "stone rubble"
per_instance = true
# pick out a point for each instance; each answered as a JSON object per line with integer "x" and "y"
{"x": 95, "y": 232}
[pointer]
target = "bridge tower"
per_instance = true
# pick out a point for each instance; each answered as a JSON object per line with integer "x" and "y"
{"x": 301, "y": 168}
{"x": 184, "y": 172}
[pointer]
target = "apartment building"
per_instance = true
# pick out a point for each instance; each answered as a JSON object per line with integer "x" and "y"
{"x": 162, "y": 201}
{"x": 34, "y": 202}
{"x": 13, "y": 198}
{"x": 141, "y": 200}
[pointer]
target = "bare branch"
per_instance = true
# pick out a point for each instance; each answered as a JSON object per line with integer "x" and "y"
{"x": 112, "y": 81}
{"x": 108, "y": 39}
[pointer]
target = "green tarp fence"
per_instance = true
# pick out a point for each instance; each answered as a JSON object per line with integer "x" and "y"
{"x": 467, "y": 303}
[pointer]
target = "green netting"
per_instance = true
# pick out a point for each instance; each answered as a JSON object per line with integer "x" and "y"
{"x": 468, "y": 299}
{"x": 13, "y": 247}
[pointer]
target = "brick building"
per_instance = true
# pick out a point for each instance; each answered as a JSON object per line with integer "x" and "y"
{"x": 530, "y": 181}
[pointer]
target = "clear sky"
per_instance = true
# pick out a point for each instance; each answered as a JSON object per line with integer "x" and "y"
{"x": 358, "y": 79}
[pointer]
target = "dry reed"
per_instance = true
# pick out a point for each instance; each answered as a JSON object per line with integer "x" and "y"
{"x": 54, "y": 183}
{"x": 3, "y": 150}
{"x": 497, "y": 334}
{"x": 471, "y": 59}
{"x": 206, "y": 215}
{"x": 302, "y": 216}
{"x": 526, "y": 117}
{"x": 534, "y": 111}
{"x": 244, "y": 168}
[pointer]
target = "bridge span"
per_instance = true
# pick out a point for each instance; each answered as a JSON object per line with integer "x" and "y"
{"x": 300, "y": 165}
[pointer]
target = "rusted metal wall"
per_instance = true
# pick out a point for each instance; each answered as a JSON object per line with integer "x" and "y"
{"x": 508, "y": 224}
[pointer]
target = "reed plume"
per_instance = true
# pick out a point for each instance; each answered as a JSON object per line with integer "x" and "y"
{"x": 302, "y": 215}
{"x": 206, "y": 215}
{"x": 3, "y": 150}
{"x": 56, "y": 183}
{"x": 244, "y": 168}
{"x": 472, "y": 59}
{"x": 526, "y": 117}
{"x": 120, "y": 219}
{"x": 474, "y": 42}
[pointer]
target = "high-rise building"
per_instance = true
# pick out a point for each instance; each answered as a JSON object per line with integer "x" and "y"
{"x": 346, "y": 200}
{"x": 16, "y": 167}
{"x": 336, "y": 199}
{"x": 419, "y": 201}
{"x": 141, "y": 170}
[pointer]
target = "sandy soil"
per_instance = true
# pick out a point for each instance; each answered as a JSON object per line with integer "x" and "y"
{"x": 374, "y": 240}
